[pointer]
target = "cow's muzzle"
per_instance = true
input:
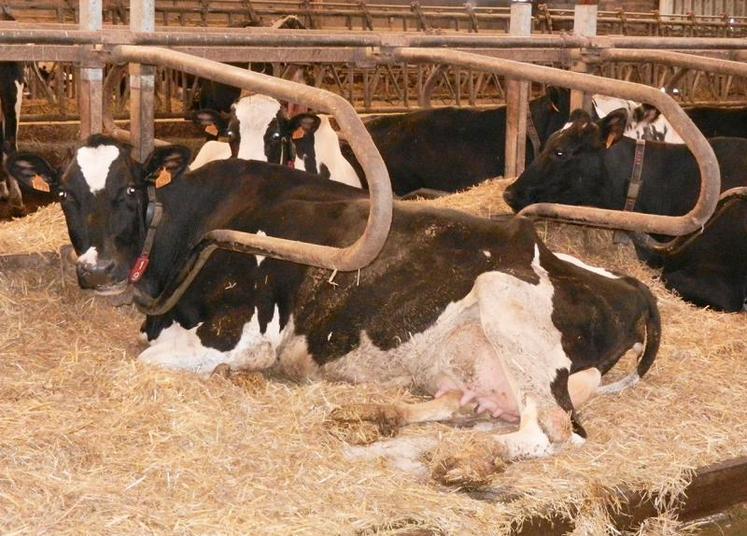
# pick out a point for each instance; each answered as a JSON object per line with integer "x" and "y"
{"x": 100, "y": 277}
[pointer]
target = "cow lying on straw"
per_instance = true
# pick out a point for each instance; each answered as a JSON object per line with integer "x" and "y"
{"x": 478, "y": 313}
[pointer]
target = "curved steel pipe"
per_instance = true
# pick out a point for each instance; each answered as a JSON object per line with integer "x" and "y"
{"x": 367, "y": 247}
{"x": 678, "y": 59}
{"x": 673, "y": 247}
{"x": 629, "y": 221}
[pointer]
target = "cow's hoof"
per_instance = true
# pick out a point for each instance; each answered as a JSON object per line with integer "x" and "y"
{"x": 469, "y": 466}
{"x": 365, "y": 423}
{"x": 17, "y": 211}
{"x": 356, "y": 433}
{"x": 249, "y": 381}
{"x": 222, "y": 370}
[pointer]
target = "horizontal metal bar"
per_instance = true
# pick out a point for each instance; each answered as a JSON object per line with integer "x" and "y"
{"x": 701, "y": 149}
{"x": 678, "y": 59}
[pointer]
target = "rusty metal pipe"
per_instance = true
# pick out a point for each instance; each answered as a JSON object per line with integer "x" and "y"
{"x": 677, "y": 59}
{"x": 367, "y": 247}
{"x": 630, "y": 221}
{"x": 727, "y": 198}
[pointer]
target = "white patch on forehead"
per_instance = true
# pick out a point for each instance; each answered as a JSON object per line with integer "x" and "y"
{"x": 254, "y": 114}
{"x": 89, "y": 258}
{"x": 178, "y": 348}
{"x": 582, "y": 264}
{"x": 94, "y": 163}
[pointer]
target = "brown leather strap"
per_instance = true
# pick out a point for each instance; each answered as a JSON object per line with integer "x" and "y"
{"x": 532, "y": 134}
{"x": 636, "y": 176}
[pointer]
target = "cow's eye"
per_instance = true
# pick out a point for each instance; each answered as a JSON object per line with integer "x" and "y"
{"x": 560, "y": 154}
{"x": 130, "y": 191}
{"x": 62, "y": 195}
{"x": 275, "y": 135}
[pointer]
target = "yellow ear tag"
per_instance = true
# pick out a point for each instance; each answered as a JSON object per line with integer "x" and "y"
{"x": 610, "y": 140}
{"x": 37, "y": 183}
{"x": 163, "y": 179}
{"x": 298, "y": 133}
{"x": 212, "y": 130}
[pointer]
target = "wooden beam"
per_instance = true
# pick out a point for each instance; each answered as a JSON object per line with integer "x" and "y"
{"x": 714, "y": 488}
{"x": 91, "y": 75}
{"x": 517, "y": 96}
{"x": 142, "y": 85}
{"x": 585, "y": 25}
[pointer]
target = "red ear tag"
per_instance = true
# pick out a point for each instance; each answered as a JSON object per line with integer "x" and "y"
{"x": 141, "y": 264}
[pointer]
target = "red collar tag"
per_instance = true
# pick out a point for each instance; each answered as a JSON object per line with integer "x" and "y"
{"x": 291, "y": 164}
{"x": 141, "y": 264}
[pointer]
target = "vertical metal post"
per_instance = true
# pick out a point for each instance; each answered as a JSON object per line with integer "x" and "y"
{"x": 584, "y": 24}
{"x": 142, "y": 84}
{"x": 517, "y": 97}
{"x": 91, "y": 74}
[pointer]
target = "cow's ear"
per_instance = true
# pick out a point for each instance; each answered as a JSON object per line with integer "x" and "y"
{"x": 646, "y": 113}
{"x": 213, "y": 123}
{"x": 166, "y": 164}
{"x": 303, "y": 124}
{"x": 33, "y": 171}
{"x": 612, "y": 127}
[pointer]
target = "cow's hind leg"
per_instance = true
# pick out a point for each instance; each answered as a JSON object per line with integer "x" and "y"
{"x": 516, "y": 317}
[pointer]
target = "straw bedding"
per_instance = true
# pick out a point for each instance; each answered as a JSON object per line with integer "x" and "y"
{"x": 91, "y": 441}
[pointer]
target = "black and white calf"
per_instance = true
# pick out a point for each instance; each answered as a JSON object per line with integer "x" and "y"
{"x": 258, "y": 128}
{"x": 473, "y": 311}
{"x": 590, "y": 164}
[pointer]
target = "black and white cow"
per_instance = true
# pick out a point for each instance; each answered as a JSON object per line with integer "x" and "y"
{"x": 473, "y": 311}
{"x": 11, "y": 95}
{"x": 577, "y": 168}
{"x": 258, "y": 128}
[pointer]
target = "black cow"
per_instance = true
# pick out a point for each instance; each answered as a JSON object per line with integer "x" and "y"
{"x": 11, "y": 95}
{"x": 475, "y": 311}
{"x": 714, "y": 121}
{"x": 211, "y": 95}
{"x": 450, "y": 149}
{"x": 577, "y": 168}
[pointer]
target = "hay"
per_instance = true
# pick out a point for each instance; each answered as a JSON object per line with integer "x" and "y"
{"x": 94, "y": 442}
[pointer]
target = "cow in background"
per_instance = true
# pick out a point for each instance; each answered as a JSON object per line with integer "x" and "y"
{"x": 11, "y": 95}
{"x": 259, "y": 128}
{"x": 590, "y": 164}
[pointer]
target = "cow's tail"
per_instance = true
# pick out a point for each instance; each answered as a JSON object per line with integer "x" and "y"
{"x": 652, "y": 339}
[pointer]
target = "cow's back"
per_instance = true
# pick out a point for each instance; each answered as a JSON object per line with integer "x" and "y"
{"x": 445, "y": 149}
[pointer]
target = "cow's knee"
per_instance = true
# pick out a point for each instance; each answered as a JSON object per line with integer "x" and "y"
{"x": 555, "y": 423}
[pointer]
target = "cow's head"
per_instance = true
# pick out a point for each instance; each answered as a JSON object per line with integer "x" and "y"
{"x": 103, "y": 194}
{"x": 258, "y": 129}
{"x": 570, "y": 169}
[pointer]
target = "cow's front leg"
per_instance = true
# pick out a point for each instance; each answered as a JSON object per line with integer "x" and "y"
{"x": 194, "y": 349}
